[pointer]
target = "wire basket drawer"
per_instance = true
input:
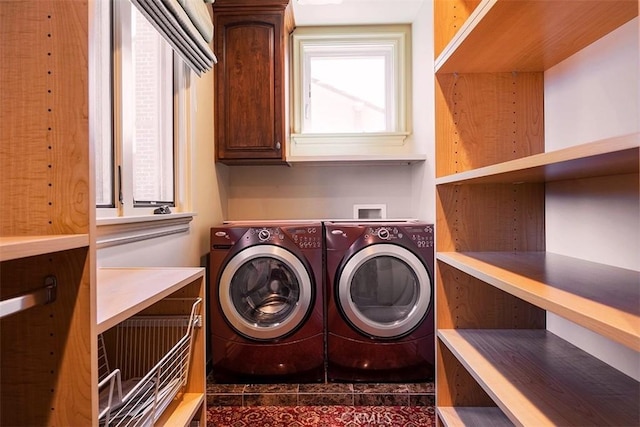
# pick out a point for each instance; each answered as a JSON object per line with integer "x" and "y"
{"x": 152, "y": 355}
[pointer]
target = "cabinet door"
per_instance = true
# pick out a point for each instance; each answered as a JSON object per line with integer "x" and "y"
{"x": 250, "y": 87}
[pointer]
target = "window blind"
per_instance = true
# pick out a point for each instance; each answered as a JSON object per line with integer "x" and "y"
{"x": 187, "y": 27}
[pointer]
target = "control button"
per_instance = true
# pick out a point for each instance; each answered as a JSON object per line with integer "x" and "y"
{"x": 383, "y": 233}
{"x": 221, "y": 234}
{"x": 264, "y": 235}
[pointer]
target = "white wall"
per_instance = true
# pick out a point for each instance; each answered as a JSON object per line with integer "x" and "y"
{"x": 593, "y": 95}
{"x": 320, "y": 192}
{"x": 317, "y": 192}
{"x": 423, "y": 197}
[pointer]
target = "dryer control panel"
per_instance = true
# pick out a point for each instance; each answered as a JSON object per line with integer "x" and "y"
{"x": 385, "y": 233}
{"x": 420, "y": 235}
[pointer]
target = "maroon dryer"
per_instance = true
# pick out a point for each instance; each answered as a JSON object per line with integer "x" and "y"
{"x": 379, "y": 291}
{"x": 266, "y": 303}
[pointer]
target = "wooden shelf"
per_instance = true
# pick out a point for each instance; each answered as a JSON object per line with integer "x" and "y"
{"x": 612, "y": 156}
{"x": 564, "y": 385}
{"x": 15, "y": 247}
{"x": 123, "y": 292}
{"x": 598, "y": 297}
{"x": 182, "y": 411}
{"x": 506, "y": 36}
{"x": 473, "y": 416}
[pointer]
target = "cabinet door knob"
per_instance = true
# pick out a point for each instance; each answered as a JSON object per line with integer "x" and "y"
{"x": 277, "y": 145}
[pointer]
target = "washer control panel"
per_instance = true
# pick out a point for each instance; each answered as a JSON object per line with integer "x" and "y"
{"x": 303, "y": 237}
{"x": 306, "y": 237}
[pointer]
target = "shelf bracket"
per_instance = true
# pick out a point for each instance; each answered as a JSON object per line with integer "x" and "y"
{"x": 42, "y": 296}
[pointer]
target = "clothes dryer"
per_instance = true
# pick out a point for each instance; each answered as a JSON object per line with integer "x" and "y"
{"x": 266, "y": 303}
{"x": 379, "y": 290}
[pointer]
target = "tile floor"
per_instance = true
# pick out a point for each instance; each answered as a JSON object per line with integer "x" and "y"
{"x": 419, "y": 394}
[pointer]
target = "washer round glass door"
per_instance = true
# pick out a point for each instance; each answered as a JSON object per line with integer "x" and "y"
{"x": 384, "y": 291}
{"x": 265, "y": 292}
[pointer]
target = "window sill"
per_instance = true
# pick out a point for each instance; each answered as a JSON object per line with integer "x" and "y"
{"x": 122, "y": 230}
{"x": 352, "y": 148}
{"x": 392, "y": 139}
{"x": 356, "y": 160}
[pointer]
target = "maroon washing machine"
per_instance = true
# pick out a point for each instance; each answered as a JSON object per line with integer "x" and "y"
{"x": 266, "y": 303}
{"x": 380, "y": 311}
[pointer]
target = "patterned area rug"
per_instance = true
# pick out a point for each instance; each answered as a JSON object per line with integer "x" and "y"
{"x": 321, "y": 416}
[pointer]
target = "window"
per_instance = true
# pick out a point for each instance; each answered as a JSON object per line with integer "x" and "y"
{"x": 136, "y": 159}
{"x": 351, "y": 85}
{"x": 141, "y": 117}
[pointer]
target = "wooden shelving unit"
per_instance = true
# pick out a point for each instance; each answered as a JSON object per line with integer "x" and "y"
{"x": 125, "y": 292}
{"x": 49, "y": 346}
{"x": 496, "y": 363}
{"x": 46, "y": 349}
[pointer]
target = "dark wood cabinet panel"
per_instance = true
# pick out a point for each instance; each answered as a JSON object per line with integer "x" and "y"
{"x": 251, "y": 81}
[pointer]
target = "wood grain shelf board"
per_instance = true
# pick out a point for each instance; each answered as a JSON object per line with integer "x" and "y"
{"x": 611, "y": 156}
{"x": 15, "y": 247}
{"x": 182, "y": 410}
{"x": 596, "y": 296}
{"x": 123, "y": 292}
{"x": 539, "y": 379}
{"x": 529, "y": 35}
{"x": 473, "y": 416}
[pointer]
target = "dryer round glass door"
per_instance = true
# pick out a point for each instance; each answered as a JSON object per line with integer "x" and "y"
{"x": 384, "y": 291}
{"x": 265, "y": 292}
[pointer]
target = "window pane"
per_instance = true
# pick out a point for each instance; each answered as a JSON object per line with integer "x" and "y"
{"x": 104, "y": 173}
{"x": 347, "y": 94}
{"x": 153, "y": 140}
{"x": 102, "y": 119}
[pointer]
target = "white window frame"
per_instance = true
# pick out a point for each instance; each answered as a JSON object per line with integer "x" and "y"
{"x": 398, "y": 37}
{"x": 119, "y": 225}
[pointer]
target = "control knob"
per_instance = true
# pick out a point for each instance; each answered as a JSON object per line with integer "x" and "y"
{"x": 264, "y": 235}
{"x": 383, "y": 233}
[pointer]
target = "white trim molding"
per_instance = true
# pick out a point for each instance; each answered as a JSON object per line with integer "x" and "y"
{"x": 122, "y": 230}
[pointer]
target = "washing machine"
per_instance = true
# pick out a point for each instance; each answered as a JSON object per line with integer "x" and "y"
{"x": 380, "y": 301}
{"x": 266, "y": 311}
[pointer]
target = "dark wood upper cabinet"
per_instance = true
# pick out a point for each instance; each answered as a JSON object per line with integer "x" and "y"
{"x": 251, "y": 80}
